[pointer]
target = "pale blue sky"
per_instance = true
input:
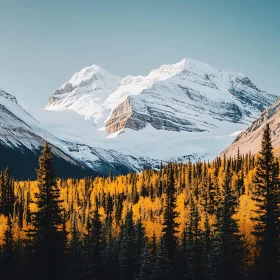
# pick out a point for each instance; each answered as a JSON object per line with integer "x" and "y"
{"x": 44, "y": 42}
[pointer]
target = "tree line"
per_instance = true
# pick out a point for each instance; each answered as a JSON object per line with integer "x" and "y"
{"x": 203, "y": 220}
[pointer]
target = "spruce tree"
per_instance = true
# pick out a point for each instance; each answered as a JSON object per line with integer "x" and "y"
{"x": 140, "y": 243}
{"x": 266, "y": 194}
{"x": 6, "y": 193}
{"x": 109, "y": 253}
{"x": 146, "y": 268}
{"x": 126, "y": 248}
{"x": 194, "y": 245}
{"x": 229, "y": 245}
{"x": 170, "y": 225}
{"x": 7, "y": 264}
{"x": 163, "y": 268}
{"x": 75, "y": 248}
{"x": 96, "y": 239}
{"x": 153, "y": 248}
{"x": 48, "y": 234}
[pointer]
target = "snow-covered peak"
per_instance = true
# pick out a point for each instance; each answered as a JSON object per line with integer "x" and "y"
{"x": 85, "y": 74}
{"x": 167, "y": 71}
{"x": 85, "y": 92}
{"x": 163, "y": 73}
{"x": 94, "y": 74}
{"x": 186, "y": 68}
{"x": 197, "y": 66}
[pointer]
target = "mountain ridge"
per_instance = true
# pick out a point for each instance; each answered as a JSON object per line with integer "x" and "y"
{"x": 101, "y": 123}
{"x": 189, "y": 97}
{"x": 220, "y": 85}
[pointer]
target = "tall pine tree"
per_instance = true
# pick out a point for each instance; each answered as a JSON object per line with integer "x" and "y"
{"x": 48, "y": 234}
{"x": 266, "y": 194}
{"x": 229, "y": 245}
{"x": 170, "y": 225}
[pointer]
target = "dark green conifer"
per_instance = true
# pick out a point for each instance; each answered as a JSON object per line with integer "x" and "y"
{"x": 8, "y": 267}
{"x": 229, "y": 246}
{"x": 266, "y": 194}
{"x": 48, "y": 234}
{"x": 170, "y": 225}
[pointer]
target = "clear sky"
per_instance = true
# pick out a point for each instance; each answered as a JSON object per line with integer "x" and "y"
{"x": 44, "y": 42}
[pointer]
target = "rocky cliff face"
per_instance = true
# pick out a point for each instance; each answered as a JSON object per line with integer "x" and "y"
{"x": 126, "y": 116}
{"x": 250, "y": 139}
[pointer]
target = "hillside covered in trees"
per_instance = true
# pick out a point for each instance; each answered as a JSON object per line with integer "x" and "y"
{"x": 203, "y": 220}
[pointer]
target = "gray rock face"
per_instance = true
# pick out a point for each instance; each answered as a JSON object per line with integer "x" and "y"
{"x": 125, "y": 117}
{"x": 249, "y": 141}
{"x": 59, "y": 92}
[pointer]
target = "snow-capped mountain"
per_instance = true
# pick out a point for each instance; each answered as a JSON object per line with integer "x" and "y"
{"x": 189, "y": 96}
{"x": 179, "y": 110}
{"x": 86, "y": 92}
{"x": 22, "y": 138}
{"x": 97, "y": 122}
{"x": 250, "y": 139}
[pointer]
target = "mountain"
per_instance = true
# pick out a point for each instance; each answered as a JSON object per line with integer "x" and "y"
{"x": 22, "y": 138}
{"x": 182, "y": 110}
{"x": 250, "y": 139}
{"x": 85, "y": 93}
{"x": 189, "y": 96}
{"x": 97, "y": 122}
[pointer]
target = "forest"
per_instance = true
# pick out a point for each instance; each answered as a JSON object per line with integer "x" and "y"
{"x": 202, "y": 220}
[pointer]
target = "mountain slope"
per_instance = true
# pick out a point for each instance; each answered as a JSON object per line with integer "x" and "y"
{"x": 182, "y": 110}
{"x": 250, "y": 139}
{"x": 22, "y": 137}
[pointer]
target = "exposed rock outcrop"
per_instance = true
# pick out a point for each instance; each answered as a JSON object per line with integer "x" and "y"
{"x": 249, "y": 141}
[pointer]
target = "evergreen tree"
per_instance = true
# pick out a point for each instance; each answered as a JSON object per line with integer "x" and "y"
{"x": 75, "y": 248}
{"x": 163, "y": 268}
{"x": 194, "y": 246}
{"x": 96, "y": 239}
{"x": 266, "y": 194}
{"x": 48, "y": 234}
{"x": 126, "y": 249}
{"x": 153, "y": 248}
{"x": 8, "y": 266}
{"x": 6, "y": 193}
{"x": 140, "y": 243}
{"x": 145, "y": 265}
{"x": 87, "y": 251}
{"x": 109, "y": 253}
{"x": 170, "y": 225}
{"x": 229, "y": 246}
